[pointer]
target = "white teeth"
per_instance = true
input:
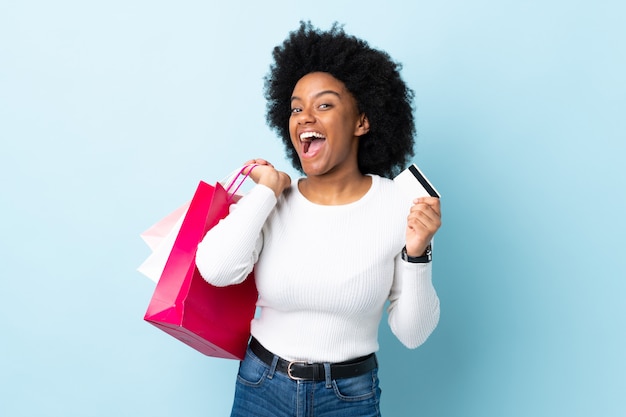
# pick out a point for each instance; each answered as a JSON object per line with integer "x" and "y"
{"x": 306, "y": 136}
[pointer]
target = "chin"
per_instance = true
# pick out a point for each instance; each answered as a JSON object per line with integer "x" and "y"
{"x": 309, "y": 172}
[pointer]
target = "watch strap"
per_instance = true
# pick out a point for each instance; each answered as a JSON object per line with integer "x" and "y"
{"x": 427, "y": 257}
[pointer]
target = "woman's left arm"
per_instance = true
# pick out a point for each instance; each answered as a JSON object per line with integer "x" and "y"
{"x": 414, "y": 304}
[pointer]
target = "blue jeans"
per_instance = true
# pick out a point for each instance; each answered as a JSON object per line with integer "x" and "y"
{"x": 263, "y": 392}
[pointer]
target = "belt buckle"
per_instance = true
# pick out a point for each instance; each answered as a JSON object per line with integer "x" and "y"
{"x": 295, "y": 378}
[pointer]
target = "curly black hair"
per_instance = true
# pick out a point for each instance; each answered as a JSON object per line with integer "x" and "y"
{"x": 370, "y": 75}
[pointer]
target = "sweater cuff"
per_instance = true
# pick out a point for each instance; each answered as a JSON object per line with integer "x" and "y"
{"x": 420, "y": 271}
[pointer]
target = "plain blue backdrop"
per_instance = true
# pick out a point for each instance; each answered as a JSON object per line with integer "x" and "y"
{"x": 110, "y": 112}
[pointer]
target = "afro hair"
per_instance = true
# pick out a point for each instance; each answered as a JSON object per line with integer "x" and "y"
{"x": 370, "y": 75}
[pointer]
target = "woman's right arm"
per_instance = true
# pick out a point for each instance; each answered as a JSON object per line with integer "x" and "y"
{"x": 228, "y": 252}
{"x": 230, "y": 249}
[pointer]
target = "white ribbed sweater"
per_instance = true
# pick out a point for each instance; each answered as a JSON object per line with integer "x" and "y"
{"x": 323, "y": 273}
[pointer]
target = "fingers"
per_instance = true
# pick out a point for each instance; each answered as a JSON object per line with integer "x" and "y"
{"x": 258, "y": 161}
{"x": 426, "y": 213}
{"x": 263, "y": 172}
{"x": 250, "y": 165}
{"x": 423, "y": 221}
{"x": 425, "y": 216}
{"x": 432, "y": 202}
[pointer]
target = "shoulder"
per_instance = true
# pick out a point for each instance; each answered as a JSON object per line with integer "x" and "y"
{"x": 390, "y": 194}
{"x": 389, "y": 189}
{"x": 289, "y": 198}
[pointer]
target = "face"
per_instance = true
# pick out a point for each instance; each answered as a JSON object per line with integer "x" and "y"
{"x": 325, "y": 125}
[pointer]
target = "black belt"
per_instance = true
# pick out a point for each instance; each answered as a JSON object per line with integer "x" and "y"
{"x": 303, "y": 371}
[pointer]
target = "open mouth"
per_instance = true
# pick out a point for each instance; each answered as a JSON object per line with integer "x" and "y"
{"x": 311, "y": 141}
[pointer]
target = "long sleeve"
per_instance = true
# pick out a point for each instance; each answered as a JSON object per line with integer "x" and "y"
{"x": 324, "y": 273}
{"x": 229, "y": 250}
{"x": 414, "y": 304}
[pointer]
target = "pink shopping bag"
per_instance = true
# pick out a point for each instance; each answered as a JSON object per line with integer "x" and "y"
{"x": 212, "y": 320}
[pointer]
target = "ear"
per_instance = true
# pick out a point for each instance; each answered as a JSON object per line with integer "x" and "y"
{"x": 363, "y": 125}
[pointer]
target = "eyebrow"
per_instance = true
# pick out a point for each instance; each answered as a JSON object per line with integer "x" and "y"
{"x": 321, "y": 93}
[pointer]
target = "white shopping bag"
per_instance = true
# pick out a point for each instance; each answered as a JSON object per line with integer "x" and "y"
{"x": 160, "y": 237}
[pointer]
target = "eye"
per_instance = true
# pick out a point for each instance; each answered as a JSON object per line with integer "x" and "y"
{"x": 325, "y": 106}
{"x": 296, "y": 110}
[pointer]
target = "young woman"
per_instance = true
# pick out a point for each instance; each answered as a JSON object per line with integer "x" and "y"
{"x": 329, "y": 249}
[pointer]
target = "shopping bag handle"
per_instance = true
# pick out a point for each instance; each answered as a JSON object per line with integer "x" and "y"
{"x": 237, "y": 179}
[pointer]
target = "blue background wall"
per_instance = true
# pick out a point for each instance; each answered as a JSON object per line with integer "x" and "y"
{"x": 110, "y": 112}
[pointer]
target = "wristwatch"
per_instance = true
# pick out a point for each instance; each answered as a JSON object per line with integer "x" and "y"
{"x": 425, "y": 258}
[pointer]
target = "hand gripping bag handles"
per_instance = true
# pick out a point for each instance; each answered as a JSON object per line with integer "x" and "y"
{"x": 212, "y": 320}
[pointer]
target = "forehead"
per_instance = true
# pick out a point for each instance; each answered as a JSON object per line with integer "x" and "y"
{"x": 316, "y": 82}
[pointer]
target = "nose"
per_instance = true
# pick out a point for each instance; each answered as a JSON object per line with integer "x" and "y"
{"x": 304, "y": 116}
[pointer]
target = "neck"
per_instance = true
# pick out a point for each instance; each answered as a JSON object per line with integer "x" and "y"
{"x": 335, "y": 190}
